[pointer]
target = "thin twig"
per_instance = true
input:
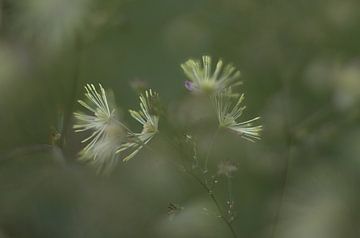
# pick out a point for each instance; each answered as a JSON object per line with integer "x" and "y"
{"x": 72, "y": 100}
{"x": 215, "y": 201}
{"x": 205, "y": 186}
{"x": 227, "y": 222}
{"x": 284, "y": 182}
{"x": 33, "y": 149}
{"x": 229, "y": 183}
{"x": 1, "y": 13}
{"x": 289, "y": 141}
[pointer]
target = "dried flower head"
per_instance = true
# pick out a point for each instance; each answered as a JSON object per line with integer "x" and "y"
{"x": 147, "y": 116}
{"x": 106, "y": 130}
{"x": 227, "y": 168}
{"x": 203, "y": 80}
{"x": 229, "y": 112}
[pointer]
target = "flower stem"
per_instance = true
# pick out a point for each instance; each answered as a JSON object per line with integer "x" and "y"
{"x": 75, "y": 88}
{"x": 1, "y": 13}
{"x": 289, "y": 141}
{"x": 215, "y": 201}
{"x": 284, "y": 182}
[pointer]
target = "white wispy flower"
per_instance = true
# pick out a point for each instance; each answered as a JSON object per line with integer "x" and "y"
{"x": 203, "y": 80}
{"x": 107, "y": 132}
{"x": 229, "y": 112}
{"x": 149, "y": 120}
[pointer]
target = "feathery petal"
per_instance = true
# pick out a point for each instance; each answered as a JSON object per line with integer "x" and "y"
{"x": 229, "y": 112}
{"x": 106, "y": 131}
{"x": 149, "y": 120}
{"x": 202, "y": 80}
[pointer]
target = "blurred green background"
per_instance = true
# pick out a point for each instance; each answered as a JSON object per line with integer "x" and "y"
{"x": 300, "y": 63}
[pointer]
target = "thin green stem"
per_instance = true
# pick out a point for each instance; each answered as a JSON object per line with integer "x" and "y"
{"x": 284, "y": 182}
{"x": 227, "y": 222}
{"x": 229, "y": 183}
{"x": 33, "y": 149}
{"x": 289, "y": 140}
{"x": 205, "y": 186}
{"x": 1, "y": 14}
{"x": 215, "y": 201}
{"x": 75, "y": 87}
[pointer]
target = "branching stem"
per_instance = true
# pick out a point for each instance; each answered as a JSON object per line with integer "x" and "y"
{"x": 216, "y": 202}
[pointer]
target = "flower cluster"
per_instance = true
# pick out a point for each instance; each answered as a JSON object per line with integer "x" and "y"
{"x": 148, "y": 119}
{"x": 105, "y": 128}
{"x": 219, "y": 86}
{"x": 110, "y": 138}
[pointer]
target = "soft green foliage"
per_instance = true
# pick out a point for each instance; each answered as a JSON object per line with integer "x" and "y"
{"x": 299, "y": 63}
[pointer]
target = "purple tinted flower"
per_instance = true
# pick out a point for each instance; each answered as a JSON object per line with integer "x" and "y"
{"x": 189, "y": 85}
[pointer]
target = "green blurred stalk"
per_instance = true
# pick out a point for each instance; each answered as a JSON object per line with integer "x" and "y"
{"x": 215, "y": 201}
{"x": 69, "y": 109}
{"x": 1, "y": 13}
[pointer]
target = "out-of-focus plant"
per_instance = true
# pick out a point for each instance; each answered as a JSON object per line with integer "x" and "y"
{"x": 111, "y": 140}
{"x": 51, "y": 25}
